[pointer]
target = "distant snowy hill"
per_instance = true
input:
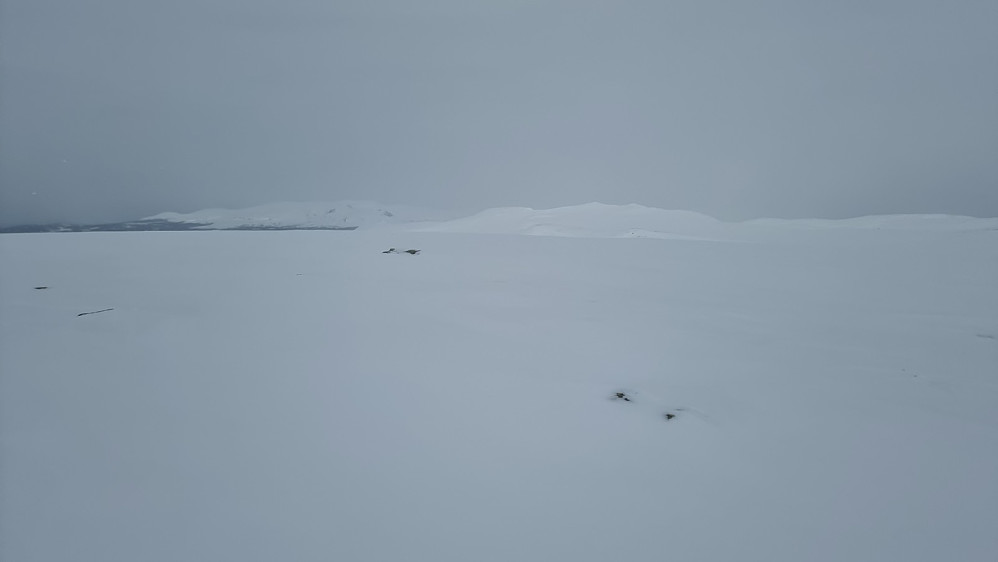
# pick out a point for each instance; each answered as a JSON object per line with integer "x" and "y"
{"x": 598, "y": 220}
{"x": 888, "y": 222}
{"x": 592, "y": 220}
{"x": 345, "y": 215}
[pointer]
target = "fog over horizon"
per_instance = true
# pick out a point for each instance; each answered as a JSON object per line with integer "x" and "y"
{"x": 114, "y": 110}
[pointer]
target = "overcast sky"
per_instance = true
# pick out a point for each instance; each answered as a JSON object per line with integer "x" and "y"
{"x": 116, "y": 109}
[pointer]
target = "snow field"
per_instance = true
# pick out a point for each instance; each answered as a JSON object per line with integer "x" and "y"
{"x": 301, "y": 396}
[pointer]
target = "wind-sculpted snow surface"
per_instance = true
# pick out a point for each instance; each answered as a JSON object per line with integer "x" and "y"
{"x": 262, "y": 396}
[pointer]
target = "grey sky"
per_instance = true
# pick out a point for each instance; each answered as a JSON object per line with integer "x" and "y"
{"x": 114, "y": 109}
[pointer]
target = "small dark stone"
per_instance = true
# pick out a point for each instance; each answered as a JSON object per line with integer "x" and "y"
{"x": 413, "y": 252}
{"x": 42, "y": 287}
{"x": 669, "y": 416}
{"x": 623, "y": 396}
{"x": 389, "y": 251}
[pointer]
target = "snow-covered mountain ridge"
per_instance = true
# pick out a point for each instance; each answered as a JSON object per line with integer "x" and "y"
{"x": 345, "y": 215}
{"x": 590, "y": 220}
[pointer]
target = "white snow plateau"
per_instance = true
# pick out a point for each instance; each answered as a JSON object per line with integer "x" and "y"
{"x": 623, "y": 383}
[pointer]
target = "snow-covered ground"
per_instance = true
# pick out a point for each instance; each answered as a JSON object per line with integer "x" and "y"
{"x": 303, "y": 396}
